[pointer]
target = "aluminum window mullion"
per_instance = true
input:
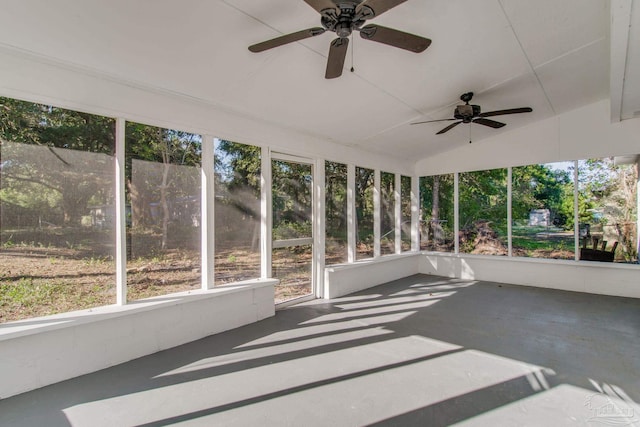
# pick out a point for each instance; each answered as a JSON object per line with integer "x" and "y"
{"x": 509, "y": 213}
{"x": 319, "y": 219}
{"x": 121, "y": 214}
{"x": 456, "y": 213}
{"x": 376, "y": 214}
{"x": 415, "y": 213}
{"x": 397, "y": 212}
{"x": 351, "y": 213}
{"x": 576, "y": 216}
{"x": 207, "y": 242}
{"x": 265, "y": 213}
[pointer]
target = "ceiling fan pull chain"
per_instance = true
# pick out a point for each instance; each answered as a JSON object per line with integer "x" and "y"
{"x": 353, "y": 46}
{"x": 469, "y": 133}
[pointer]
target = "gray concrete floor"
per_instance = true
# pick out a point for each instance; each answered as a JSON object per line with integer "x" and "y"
{"x": 422, "y": 351}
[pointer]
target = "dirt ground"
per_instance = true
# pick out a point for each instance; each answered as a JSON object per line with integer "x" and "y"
{"x": 48, "y": 278}
{"x": 38, "y": 281}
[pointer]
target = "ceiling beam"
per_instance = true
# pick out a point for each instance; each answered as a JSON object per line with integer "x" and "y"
{"x": 620, "y": 24}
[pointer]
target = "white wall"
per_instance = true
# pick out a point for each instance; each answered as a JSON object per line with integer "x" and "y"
{"x": 42, "y": 351}
{"x": 340, "y": 280}
{"x": 590, "y": 277}
{"x": 579, "y": 134}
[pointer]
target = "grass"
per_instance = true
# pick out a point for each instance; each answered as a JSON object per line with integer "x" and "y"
{"x": 529, "y": 244}
{"x": 27, "y": 297}
{"x": 542, "y": 242}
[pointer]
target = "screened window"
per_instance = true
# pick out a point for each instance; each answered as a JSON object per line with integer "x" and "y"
{"x": 57, "y": 234}
{"x": 437, "y": 213}
{"x": 405, "y": 201}
{"x": 336, "y": 213}
{"x": 237, "y": 211}
{"x": 483, "y": 212}
{"x": 163, "y": 210}
{"x": 607, "y": 210}
{"x": 387, "y": 213}
{"x": 542, "y": 211}
{"x": 364, "y": 212}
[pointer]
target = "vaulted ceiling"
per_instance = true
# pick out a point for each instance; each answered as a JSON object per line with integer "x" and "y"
{"x": 550, "y": 55}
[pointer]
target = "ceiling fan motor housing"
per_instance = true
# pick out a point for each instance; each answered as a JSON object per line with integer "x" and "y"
{"x": 466, "y": 112}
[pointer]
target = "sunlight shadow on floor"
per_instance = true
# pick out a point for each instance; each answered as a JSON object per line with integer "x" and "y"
{"x": 562, "y": 405}
{"x": 360, "y": 383}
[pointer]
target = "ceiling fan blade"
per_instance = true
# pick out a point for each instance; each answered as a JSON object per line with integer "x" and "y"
{"x": 288, "y": 38}
{"x": 337, "y": 55}
{"x": 502, "y": 112}
{"x": 321, "y": 5}
{"x": 448, "y": 128}
{"x": 432, "y": 121}
{"x": 394, "y": 38}
{"x": 490, "y": 123}
{"x": 377, "y": 6}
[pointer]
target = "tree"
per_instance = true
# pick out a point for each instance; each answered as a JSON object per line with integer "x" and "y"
{"x": 49, "y": 149}
{"x": 364, "y": 203}
{"x": 607, "y": 194}
{"x": 483, "y": 195}
{"x": 336, "y": 199}
{"x": 161, "y": 168}
{"x": 436, "y": 207}
{"x": 405, "y": 201}
{"x": 292, "y": 199}
{"x": 542, "y": 187}
{"x": 387, "y": 212}
{"x": 238, "y": 165}
{"x": 237, "y": 187}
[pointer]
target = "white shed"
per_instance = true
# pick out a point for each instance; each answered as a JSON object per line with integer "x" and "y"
{"x": 540, "y": 217}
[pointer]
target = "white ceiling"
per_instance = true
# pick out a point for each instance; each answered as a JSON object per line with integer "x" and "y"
{"x": 551, "y": 55}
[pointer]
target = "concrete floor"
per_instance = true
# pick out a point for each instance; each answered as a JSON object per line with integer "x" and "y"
{"x": 422, "y": 351}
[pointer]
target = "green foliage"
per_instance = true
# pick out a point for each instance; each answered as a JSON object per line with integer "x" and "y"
{"x": 154, "y": 144}
{"x": 30, "y": 196}
{"x": 364, "y": 202}
{"x": 291, "y": 230}
{"x": 483, "y": 196}
{"x": 336, "y": 199}
{"x": 238, "y": 166}
{"x": 405, "y": 208}
{"x": 387, "y": 204}
{"x": 436, "y": 211}
{"x": 291, "y": 193}
{"x": 30, "y": 123}
{"x": 543, "y": 187}
{"x": 53, "y": 161}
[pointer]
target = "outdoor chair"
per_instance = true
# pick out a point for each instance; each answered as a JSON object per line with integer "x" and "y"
{"x": 595, "y": 254}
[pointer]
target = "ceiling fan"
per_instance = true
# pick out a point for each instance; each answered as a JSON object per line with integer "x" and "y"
{"x": 471, "y": 114}
{"x": 343, "y": 17}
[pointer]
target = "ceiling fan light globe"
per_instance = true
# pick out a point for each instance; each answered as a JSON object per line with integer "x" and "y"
{"x": 343, "y": 30}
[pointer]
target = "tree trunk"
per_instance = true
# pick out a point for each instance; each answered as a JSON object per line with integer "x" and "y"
{"x": 74, "y": 204}
{"x": 139, "y": 206}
